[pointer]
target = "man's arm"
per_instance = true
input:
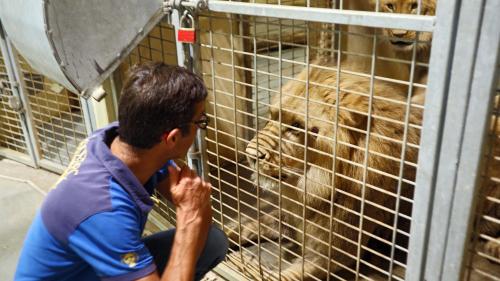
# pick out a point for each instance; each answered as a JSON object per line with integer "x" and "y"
{"x": 191, "y": 196}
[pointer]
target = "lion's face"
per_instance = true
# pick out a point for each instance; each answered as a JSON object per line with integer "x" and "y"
{"x": 296, "y": 154}
{"x": 278, "y": 151}
{"x": 403, "y": 40}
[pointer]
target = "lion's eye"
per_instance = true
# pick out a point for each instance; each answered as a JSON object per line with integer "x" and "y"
{"x": 315, "y": 130}
{"x": 414, "y": 6}
{"x": 295, "y": 125}
{"x": 390, "y": 6}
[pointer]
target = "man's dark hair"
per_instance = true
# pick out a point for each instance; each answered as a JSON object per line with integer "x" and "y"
{"x": 157, "y": 98}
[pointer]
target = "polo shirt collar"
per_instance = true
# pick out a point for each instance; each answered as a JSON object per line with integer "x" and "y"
{"x": 120, "y": 172}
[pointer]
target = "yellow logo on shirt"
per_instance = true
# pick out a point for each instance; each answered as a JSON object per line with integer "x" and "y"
{"x": 130, "y": 259}
{"x": 74, "y": 165}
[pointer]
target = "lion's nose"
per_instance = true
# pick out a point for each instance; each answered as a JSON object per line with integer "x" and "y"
{"x": 256, "y": 153}
{"x": 399, "y": 32}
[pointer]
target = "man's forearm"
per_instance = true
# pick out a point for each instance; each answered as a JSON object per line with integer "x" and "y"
{"x": 183, "y": 257}
{"x": 188, "y": 243}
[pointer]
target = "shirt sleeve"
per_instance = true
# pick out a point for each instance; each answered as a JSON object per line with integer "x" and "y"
{"x": 110, "y": 242}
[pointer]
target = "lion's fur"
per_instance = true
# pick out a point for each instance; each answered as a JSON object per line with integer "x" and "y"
{"x": 346, "y": 188}
{"x": 423, "y": 46}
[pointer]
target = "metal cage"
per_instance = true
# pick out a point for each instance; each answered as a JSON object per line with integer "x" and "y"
{"x": 42, "y": 122}
{"x": 351, "y": 140}
{"x": 389, "y": 216}
{"x": 249, "y": 61}
{"x": 12, "y": 137}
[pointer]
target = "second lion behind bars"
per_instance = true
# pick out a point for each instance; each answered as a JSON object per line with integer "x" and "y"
{"x": 333, "y": 216}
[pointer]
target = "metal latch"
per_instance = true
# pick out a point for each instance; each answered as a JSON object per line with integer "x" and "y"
{"x": 169, "y": 5}
{"x": 16, "y": 104}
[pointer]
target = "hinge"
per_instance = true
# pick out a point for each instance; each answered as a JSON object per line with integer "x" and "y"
{"x": 13, "y": 100}
{"x": 3, "y": 84}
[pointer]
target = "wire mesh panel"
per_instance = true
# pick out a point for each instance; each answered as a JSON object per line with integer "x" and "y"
{"x": 57, "y": 117}
{"x": 484, "y": 249}
{"x": 159, "y": 45}
{"x": 326, "y": 135}
{"x": 12, "y": 137}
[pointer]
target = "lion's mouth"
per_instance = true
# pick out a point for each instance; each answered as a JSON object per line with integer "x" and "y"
{"x": 283, "y": 177}
{"x": 400, "y": 43}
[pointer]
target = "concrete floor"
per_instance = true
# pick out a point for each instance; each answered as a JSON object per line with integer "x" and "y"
{"x": 22, "y": 190}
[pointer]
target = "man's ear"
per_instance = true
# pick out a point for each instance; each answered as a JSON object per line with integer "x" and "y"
{"x": 170, "y": 138}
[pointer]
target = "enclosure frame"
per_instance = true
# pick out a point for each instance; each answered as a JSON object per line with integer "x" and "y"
{"x": 19, "y": 89}
{"x": 451, "y": 27}
{"x": 462, "y": 75}
{"x": 12, "y": 68}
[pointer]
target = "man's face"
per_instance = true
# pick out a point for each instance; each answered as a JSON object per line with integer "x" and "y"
{"x": 187, "y": 139}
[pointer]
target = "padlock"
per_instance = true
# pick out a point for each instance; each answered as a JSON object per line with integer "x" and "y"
{"x": 186, "y": 34}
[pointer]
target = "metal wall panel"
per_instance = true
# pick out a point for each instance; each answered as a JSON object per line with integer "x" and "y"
{"x": 11, "y": 135}
{"x": 57, "y": 117}
{"x": 15, "y": 140}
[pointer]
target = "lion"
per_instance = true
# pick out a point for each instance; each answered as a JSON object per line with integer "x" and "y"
{"x": 332, "y": 140}
{"x": 402, "y": 42}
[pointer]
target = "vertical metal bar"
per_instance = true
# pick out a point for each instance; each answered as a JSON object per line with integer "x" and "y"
{"x": 256, "y": 90}
{"x": 115, "y": 93}
{"x": 334, "y": 161}
{"x": 439, "y": 73}
{"x": 236, "y": 152}
{"x": 306, "y": 129}
{"x": 403, "y": 154}
{"x": 187, "y": 57}
{"x": 482, "y": 91}
{"x": 280, "y": 155}
{"x": 88, "y": 117}
{"x": 268, "y": 53}
{"x": 175, "y": 18}
{"x": 14, "y": 75}
{"x": 365, "y": 160}
{"x": 212, "y": 72}
{"x": 456, "y": 110}
{"x": 201, "y": 149}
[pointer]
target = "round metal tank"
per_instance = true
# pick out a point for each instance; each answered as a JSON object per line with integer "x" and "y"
{"x": 77, "y": 43}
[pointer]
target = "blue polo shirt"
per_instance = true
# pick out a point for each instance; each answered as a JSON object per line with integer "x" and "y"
{"x": 89, "y": 227}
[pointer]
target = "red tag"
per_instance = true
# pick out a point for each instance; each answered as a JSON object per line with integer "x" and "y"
{"x": 186, "y": 35}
